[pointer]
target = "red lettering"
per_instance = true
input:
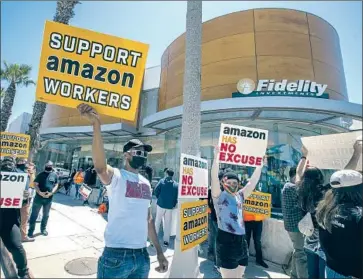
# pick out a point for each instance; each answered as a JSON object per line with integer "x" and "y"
{"x": 204, "y": 191}
{"x": 194, "y": 190}
{"x": 224, "y": 146}
{"x": 259, "y": 161}
{"x": 232, "y": 148}
{"x": 16, "y": 202}
{"x": 183, "y": 190}
{"x": 230, "y": 157}
{"x": 222, "y": 156}
{"x": 237, "y": 158}
{"x": 189, "y": 190}
{"x": 184, "y": 179}
{"x": 8, "y": 201}
{"x": 251, "y": 160}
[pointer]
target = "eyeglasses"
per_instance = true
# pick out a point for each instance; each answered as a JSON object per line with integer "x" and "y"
{"x": 139, "y": 153}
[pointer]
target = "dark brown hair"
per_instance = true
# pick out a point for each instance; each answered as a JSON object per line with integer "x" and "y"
{"x": 335, "y": 201}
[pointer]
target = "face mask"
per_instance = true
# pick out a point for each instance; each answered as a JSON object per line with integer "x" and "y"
{"x": 8, "y": 167}
{"x": 49, "y": 169}
{"x": 230, "y": 189}
{"x": 137, "y": 162}
{"x": 21, "y": 167}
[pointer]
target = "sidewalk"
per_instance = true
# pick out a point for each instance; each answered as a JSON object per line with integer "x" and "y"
{"x": 76, "y": 234}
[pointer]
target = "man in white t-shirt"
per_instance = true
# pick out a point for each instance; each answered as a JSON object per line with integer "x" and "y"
{"x": 129, "y": 216}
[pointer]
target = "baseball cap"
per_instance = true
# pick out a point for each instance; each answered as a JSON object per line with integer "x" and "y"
{"x": 137, "y": 143}
{"x": 49, "y": 163}
{"x": 346, "y": 178}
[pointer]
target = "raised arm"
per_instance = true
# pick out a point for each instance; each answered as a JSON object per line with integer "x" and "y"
{"x": 251, "y": 185}
{"x": 353, "y": 162}
{"x": 302, "y": 165}
{"x": 104, "y": 171}
{"x": 215, "y": 185}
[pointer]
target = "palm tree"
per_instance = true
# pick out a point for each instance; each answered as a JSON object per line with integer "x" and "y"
{"x": 2, "y": 92}
{"x": 16, "y": 75}
{"x": 64, "y": 12}
{"x": 185, "y": 264}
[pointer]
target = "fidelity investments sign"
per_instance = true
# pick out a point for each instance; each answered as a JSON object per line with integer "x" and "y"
{"x": 269, "y": 87}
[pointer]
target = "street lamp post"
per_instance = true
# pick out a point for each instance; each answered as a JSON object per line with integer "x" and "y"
{"x": 185, "y": 264}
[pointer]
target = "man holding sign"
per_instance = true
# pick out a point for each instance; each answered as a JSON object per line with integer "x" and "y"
{"x": 129, "y": 216}
{"x": 12, "y": 195}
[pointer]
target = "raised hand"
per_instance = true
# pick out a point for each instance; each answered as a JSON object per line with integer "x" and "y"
{"x": 89, "y": 113}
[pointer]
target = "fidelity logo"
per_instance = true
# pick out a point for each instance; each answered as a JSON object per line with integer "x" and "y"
{"x": 271, "y": 87}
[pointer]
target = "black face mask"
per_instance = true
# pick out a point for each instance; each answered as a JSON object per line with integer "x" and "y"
{"x": 137, "y": 162}
{"x": 48, "y": 169}
{"x": 21, "y": 167}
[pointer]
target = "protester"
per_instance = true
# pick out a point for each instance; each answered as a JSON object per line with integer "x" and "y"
{"x": 31, "y": 171}
{"x": 292, "y": 215}
{"x": 90, "y": 180}
{"x": 341, "y": 228}
{"x": 311, "y": 189}
{"x": 21, "y": 166}
{"x": 166, "y": 193}
{"x": 125, "y": 254}
{"x": 339, "y": 215}
{"x": 10, "y": 227}
{"x": 232, "y": 248}
{"x": 212, "y": 223}
{"x": 78, "y": 180}
{"x": 46, "y": 185}
{"x": 254, "y": 225}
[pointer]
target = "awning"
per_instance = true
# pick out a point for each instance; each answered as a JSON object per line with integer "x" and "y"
{"x": 311, "y": 111}
{"x": 73, "y": 132}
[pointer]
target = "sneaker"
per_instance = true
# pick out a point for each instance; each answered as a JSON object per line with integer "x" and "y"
{"x": 262, "y": 263}
{"x": 44, "y": 232}
{"x": 166, "y": 244}
{"x": 27, "y": 239}
{"x": 30, "y": 234}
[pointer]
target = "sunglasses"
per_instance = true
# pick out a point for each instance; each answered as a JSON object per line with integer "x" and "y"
{"x": 139, "y": 153}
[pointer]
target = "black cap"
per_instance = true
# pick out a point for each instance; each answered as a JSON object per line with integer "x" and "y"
{"x": 231, "y": 175}
{"x": 137, "y": 143}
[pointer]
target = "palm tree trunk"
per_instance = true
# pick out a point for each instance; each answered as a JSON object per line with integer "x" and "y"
{"x": 7, "y": 106}
{"x": 64, "y": 12}
{"x": 185, "y": 264}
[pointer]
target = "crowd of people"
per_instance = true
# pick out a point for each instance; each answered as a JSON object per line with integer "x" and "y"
{"x": 323, "y": 220}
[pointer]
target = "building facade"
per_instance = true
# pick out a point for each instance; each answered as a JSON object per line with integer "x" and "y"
{"x": 274, "y": 69}
{"x": 20, "y": 124}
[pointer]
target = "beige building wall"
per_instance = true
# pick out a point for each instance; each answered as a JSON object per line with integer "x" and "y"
{"x": 257, "y": 44}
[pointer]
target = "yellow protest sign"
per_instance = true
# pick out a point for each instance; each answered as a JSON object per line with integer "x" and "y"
{"x": 17, "y": 144}
{"x": 82, "y": 66}
{"x": 258, "y": 203}
{"x": 194, "y": 224}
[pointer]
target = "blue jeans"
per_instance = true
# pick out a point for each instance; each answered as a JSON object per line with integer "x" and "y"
{"x": 316, "y": 264}
{"x": 77, "y": 186}
{"x": 123, "y": 263}
{"x": 38, "y": 203}
{"x": 329, "y": 273}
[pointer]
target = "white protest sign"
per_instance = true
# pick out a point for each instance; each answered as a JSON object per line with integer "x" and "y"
{"x": 85, "y": 191}
{"x": 12, "y": 188}
{"x": 242, "y": 146}
{"x": 331, "y": 151}
{"x": 193, "y": 180}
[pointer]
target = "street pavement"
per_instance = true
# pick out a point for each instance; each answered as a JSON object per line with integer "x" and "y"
{"x": 76, "y": 232}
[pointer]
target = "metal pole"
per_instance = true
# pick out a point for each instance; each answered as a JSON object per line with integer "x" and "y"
{"x": 185, "y": 264}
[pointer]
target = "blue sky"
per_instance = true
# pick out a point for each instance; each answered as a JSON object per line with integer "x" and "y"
{"x": 158, "y": 24}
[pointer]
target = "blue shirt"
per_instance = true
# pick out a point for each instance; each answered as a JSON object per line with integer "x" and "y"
{"x": 167, "y": 193}
{"x": 229, "y": 210}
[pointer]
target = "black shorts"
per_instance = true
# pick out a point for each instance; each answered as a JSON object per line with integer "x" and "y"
{"x": 232, "y": 250}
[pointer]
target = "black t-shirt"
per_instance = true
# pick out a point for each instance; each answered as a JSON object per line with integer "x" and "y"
{"x": 46, "y": 181}
{"x": 90, "y": 177}
{"x": 343, "y": 246}
{"x": 213, "y": 214}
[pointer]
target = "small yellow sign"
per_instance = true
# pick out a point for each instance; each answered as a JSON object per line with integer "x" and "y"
{"x": 82, "y": 66}
{"x": 258, "y": 203}
{"x": 194, "y": 224}
{"x": 17, "y": 144}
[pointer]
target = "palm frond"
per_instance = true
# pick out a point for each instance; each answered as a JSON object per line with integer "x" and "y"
{"x": 65, "y": 11}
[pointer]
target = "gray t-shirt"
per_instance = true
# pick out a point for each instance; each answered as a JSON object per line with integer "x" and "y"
{"x": 229, "y": 210}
